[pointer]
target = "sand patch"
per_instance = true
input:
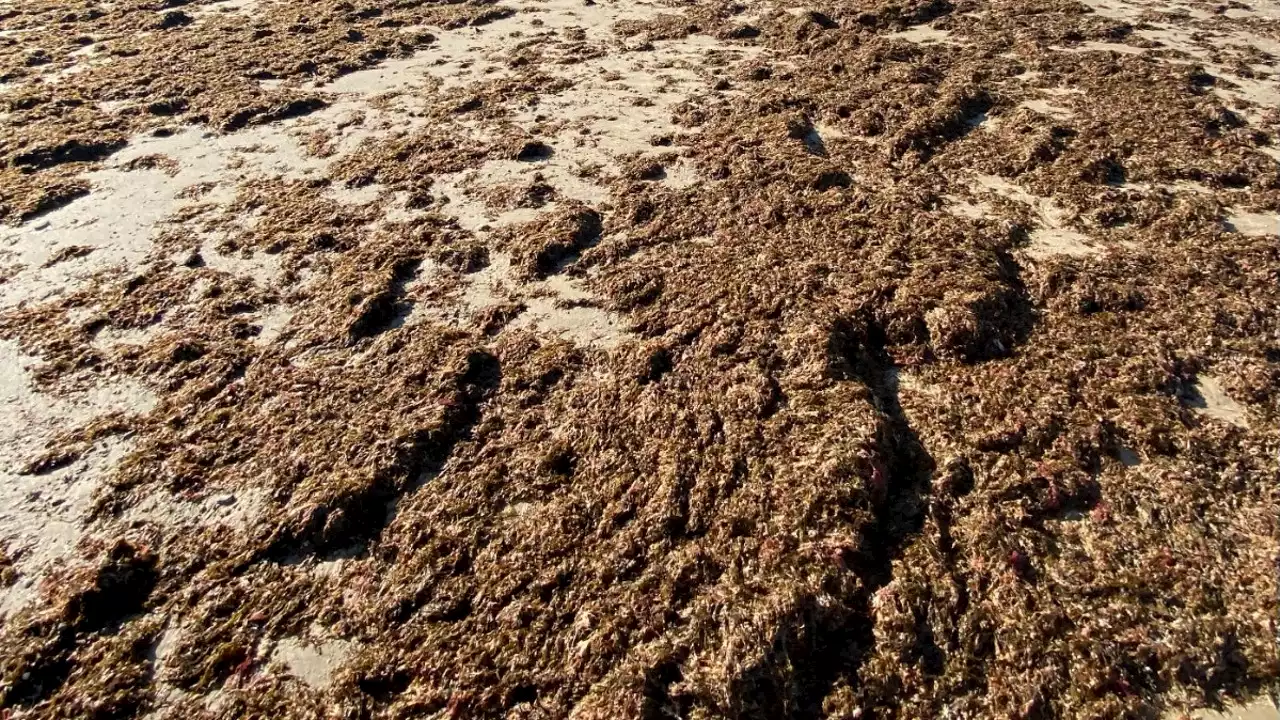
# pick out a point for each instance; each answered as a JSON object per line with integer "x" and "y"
{"x": 960, "y": 207}
{"x": 314, "y": 663}
{"x": 224, "y": 8}
{"x": 1262, "y": 709}
{"x": 1207, "y": 397}
{"x": 130, "y": 203}
{"x": 1044, "y": 107}
{"x": 558, "y": 306}
{"x": 42, "y": 514}
{"x": 1052, "y": 235}
{"x": 1252, "y": 224}
{"x": 923, "y": 34}
{"x": 1096, "y": 46}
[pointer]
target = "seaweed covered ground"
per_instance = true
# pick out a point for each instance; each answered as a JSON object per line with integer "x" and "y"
{"x": 639, "y": 358}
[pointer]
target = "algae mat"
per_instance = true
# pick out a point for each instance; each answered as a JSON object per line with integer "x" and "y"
{"x": 591, "y": 358}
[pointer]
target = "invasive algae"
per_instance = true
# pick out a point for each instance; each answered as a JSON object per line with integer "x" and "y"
{"x": 858, "y": 454}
